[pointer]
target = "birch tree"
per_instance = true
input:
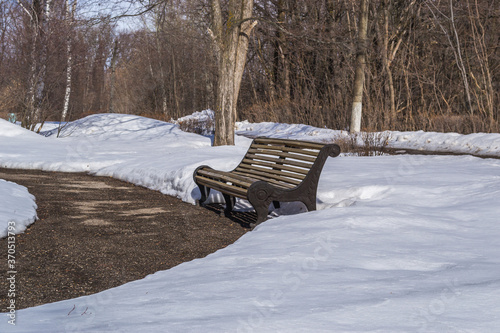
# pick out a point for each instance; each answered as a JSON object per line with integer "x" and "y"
{"x": 454, "y": 42}
{"x": 359, "y": 79}
{"x": 34, "y": 12}
{"x": 70, "y": 16}
{"x": 230, "y": 40}
{"x": 3, "y": 30}
{"x": 112, "y": 68}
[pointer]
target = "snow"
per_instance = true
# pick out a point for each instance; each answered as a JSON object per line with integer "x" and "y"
{"x": 17, "y": 208}
{"x": 398, "y": 244}
{"x": 199, "y": 116}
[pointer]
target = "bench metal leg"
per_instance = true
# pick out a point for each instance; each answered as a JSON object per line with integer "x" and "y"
{"x": 310, "y": 204}
{"x": 230, "y": 202}
{"x": 262, "y": 211}
{"x": 205, "y": 192}
{"x": 260, "y": 195}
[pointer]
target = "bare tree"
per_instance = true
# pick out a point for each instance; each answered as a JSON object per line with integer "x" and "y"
{"x": 70, "y": 18}
{"x": 299, "y": 67}
{"x": 4, "y": 9}
{"x": 484, "y": 82}
{"x": 34, "y": 12}
{"x": 112, "y": 68}
{"x": 359, "y": 79}
{"x": 230, "y": 40}
{"x": 454, "y": 42}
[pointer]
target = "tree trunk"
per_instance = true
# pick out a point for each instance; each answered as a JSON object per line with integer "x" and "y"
{"x": 174, "y": 86}
{"x": 69, "y": 59}
{"x": 231, "y": 46}
{"x": 359, "y": 79}
{"x": 160, "y": 21}
{"x": 112, "y": 78}
{"x": 457, "y": 51}
{"x": 387, "y": 65}
{"x": 29, "y": 114}
{"x": 282, "y": 70}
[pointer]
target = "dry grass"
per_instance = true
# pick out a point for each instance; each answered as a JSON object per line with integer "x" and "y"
{"x": 203, "y": 127}
{"x": 363, "y": 144}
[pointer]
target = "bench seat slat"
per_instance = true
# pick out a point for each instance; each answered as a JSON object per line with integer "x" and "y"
{"x": 273, "y": 172}
{"x": 246, "y": 179}
{"x": 282, "y": 160}
{"x": 281, "y": 154}
{"x": 240, "y": 178}
{"x": 220, "y": 186}
{"x": 267, "y": 179}
{"x": 276, "y": 166}
{"x": 227, "y": 177}
{"x": 291, "y": 143}
{"x": 268, "y": 175}
{"x": 287, "y": 149}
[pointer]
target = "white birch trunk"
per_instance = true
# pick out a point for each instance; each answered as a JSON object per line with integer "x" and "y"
{"x": 359, "y": 79}
{"x": 112, "y": 78}
{"x": 47, "y": 9}
{"x": 460, "y": 62}
{"x": 67, "y": 93}
{"x": 29, "y": 115}
{"x": 69, "y": 59}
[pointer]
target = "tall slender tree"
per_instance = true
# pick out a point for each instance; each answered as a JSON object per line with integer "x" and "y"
{"x": 230, "y": 40}
{"x": 112, "y": 74}
{"x": 359, "y": 79}
{"x": 34, "y": 12}
{"x": 69, "y": 18}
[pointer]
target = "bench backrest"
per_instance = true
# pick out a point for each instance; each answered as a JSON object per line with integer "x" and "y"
{"x": 280, "y": 161}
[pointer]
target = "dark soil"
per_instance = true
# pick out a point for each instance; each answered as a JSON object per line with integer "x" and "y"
{"x": 95, "y": 233}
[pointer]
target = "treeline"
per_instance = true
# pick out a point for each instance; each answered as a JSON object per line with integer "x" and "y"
{"x": 431, "y": 65}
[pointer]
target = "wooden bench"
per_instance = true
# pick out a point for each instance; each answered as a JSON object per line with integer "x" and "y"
{"x": 272, "y": 171}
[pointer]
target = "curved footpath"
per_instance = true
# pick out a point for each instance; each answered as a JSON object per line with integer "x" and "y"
{"x": 95, "y": 233}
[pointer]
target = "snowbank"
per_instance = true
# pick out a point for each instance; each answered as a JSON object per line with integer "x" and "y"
{"x": 398, "y": 243}
{"x": 401, "y": 244}
{"x": 17, "y": 208}
{"x": 478, "y": 144}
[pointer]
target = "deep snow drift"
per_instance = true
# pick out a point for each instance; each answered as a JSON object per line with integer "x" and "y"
{"x": 398, "y": 244}
{"x": 17, "y": 208}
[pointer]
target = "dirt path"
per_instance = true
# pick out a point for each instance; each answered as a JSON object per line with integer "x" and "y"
{"x": 95, "y": 233}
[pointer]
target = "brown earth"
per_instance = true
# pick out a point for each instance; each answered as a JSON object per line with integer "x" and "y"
{"x": 95, "y": 233}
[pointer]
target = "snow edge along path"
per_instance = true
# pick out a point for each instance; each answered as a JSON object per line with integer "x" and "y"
{"x": 18, "y": 209}
{"x": 430, "y": 265}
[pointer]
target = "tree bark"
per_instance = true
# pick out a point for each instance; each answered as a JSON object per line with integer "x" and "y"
{"x": 112, "y": 78}
{"x": 386, "y": 58}
{"x": 282, "y": 69}
{"x": 28, "y": 118}
{"x": 359, "y": 79}
{"x": 231, "y": 46}
{"x": 482, "y": 54}
{"x": 175, "y": 93}
{"x": 457, "y": 51}
{"x": 159, "y": 33}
